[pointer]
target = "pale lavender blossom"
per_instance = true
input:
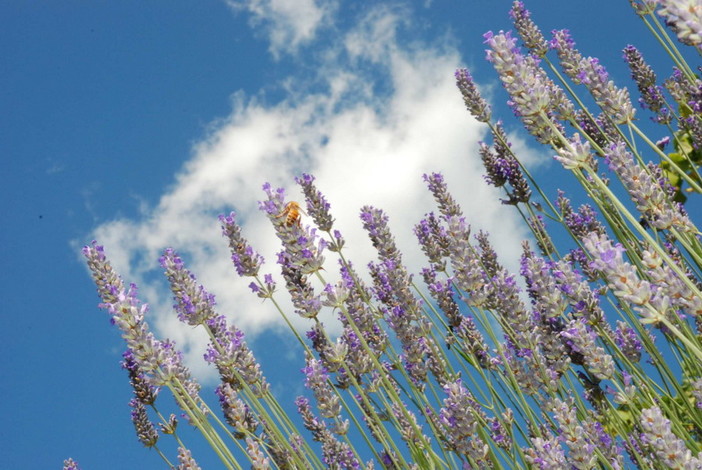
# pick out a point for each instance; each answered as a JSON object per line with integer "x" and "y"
{"x": 669, "y": 449}
{"x": 654, "y": 203}
{"x": 581, "y": 446}
{"x": 258, "y": 459}
{"x": 583, "y": 341}
{"x": 460, "y": 418}
{"x": 575, "y": 154}
{"x": 537, "y": 101}
{"x": 317, "y": 380}
{"x": 433, "y": 241}
{"x": 410, "y": 430}
{"x": 158, "y": 360}
{"x": 468, "y": 273}
{"x": 545, "y": 453}
{"x": 447, "y": 204}
{"x": 186, "y": 460}
{"x": 685, "y": 18}
{"x": 302, "y": 246}
{"x": 236, "y": 412}
{"x": 621, "y": 276}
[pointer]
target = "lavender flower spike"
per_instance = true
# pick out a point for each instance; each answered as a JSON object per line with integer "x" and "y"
{"x": 685, "y": 18}
{"x": 192, "y": 302}
{"x": 621, "y": 276}
{"x": 530, "y": 33}
{"x": 186, "y": 460}
{"x": 575, "y": 154}
{"x": 670, "y": 450}
{"x": 533, "y": 96}
{"x": 614, "y": 101}
{"x": 246, "y": 261}
{"x": 475, "y": 103}
{"x": 317, "y": 205}
{"x": 651, "y": 199}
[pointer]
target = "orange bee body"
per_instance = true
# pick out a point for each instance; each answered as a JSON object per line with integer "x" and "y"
{"x": 291, "y": 212}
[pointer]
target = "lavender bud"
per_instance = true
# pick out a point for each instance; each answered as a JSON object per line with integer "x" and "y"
{"x": 475, "y": 103}
{"x": 146, "y": 432}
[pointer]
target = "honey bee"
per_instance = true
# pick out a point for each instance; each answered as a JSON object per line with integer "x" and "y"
{"x": 291, "y": 212}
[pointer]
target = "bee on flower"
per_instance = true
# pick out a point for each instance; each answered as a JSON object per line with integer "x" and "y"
{"x": 291, "y": 212}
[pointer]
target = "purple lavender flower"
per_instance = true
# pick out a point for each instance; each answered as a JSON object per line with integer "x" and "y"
{"x": 580, "y": 223}
{"x": 475, "y": 103}
{"x": 236, "y": 411}
{"x": 528, "y": 30}
{"x": 303, "y": 248}
{"x": 645, "y": 78}
{"x": 317, "y": 380}
{"x": 307, "y": 303}
{"x": 317, "y": 205}
{"x": 442, "y": 292}
{"x": 500, "y": 429}
{"x": 459, "y": 417}
{"x": 545, "y": 453}
{"x": 433, "y": 241}
{"x": 233, "y": 358}
{"x": 335, "y": 453}
{"x": 533, "y": 96}
{"x": 246, "y": 261}
{"x": 158, "y": 360}
{"x": 146, "y": 431}
{"x": 193, "y": 303}
{"x": 145, "y": 392}
{"x": 628, "y": 342}
{"x": 447, "y": 204}
{"x": 614, "y": 101}
{"x": 109, "y": 284}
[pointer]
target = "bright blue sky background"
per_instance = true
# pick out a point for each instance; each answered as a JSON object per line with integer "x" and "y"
{"x": 139, "y": 122}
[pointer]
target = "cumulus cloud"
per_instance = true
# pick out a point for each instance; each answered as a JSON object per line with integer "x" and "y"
{"x": 365, "y": 144}
{"x": 287, "y": 24}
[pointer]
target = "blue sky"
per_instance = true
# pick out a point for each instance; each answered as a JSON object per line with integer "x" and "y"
{"x": 137, "y": 123}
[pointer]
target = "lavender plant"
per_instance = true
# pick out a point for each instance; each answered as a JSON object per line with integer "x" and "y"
{"x": 597, "y": 364}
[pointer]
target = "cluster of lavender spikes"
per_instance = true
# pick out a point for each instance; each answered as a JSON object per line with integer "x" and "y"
{"x": 597, "y": 364}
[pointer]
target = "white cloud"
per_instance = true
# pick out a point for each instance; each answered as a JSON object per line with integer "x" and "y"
{"x": 287, "y": 23}
{"x": 364, "y": 147}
